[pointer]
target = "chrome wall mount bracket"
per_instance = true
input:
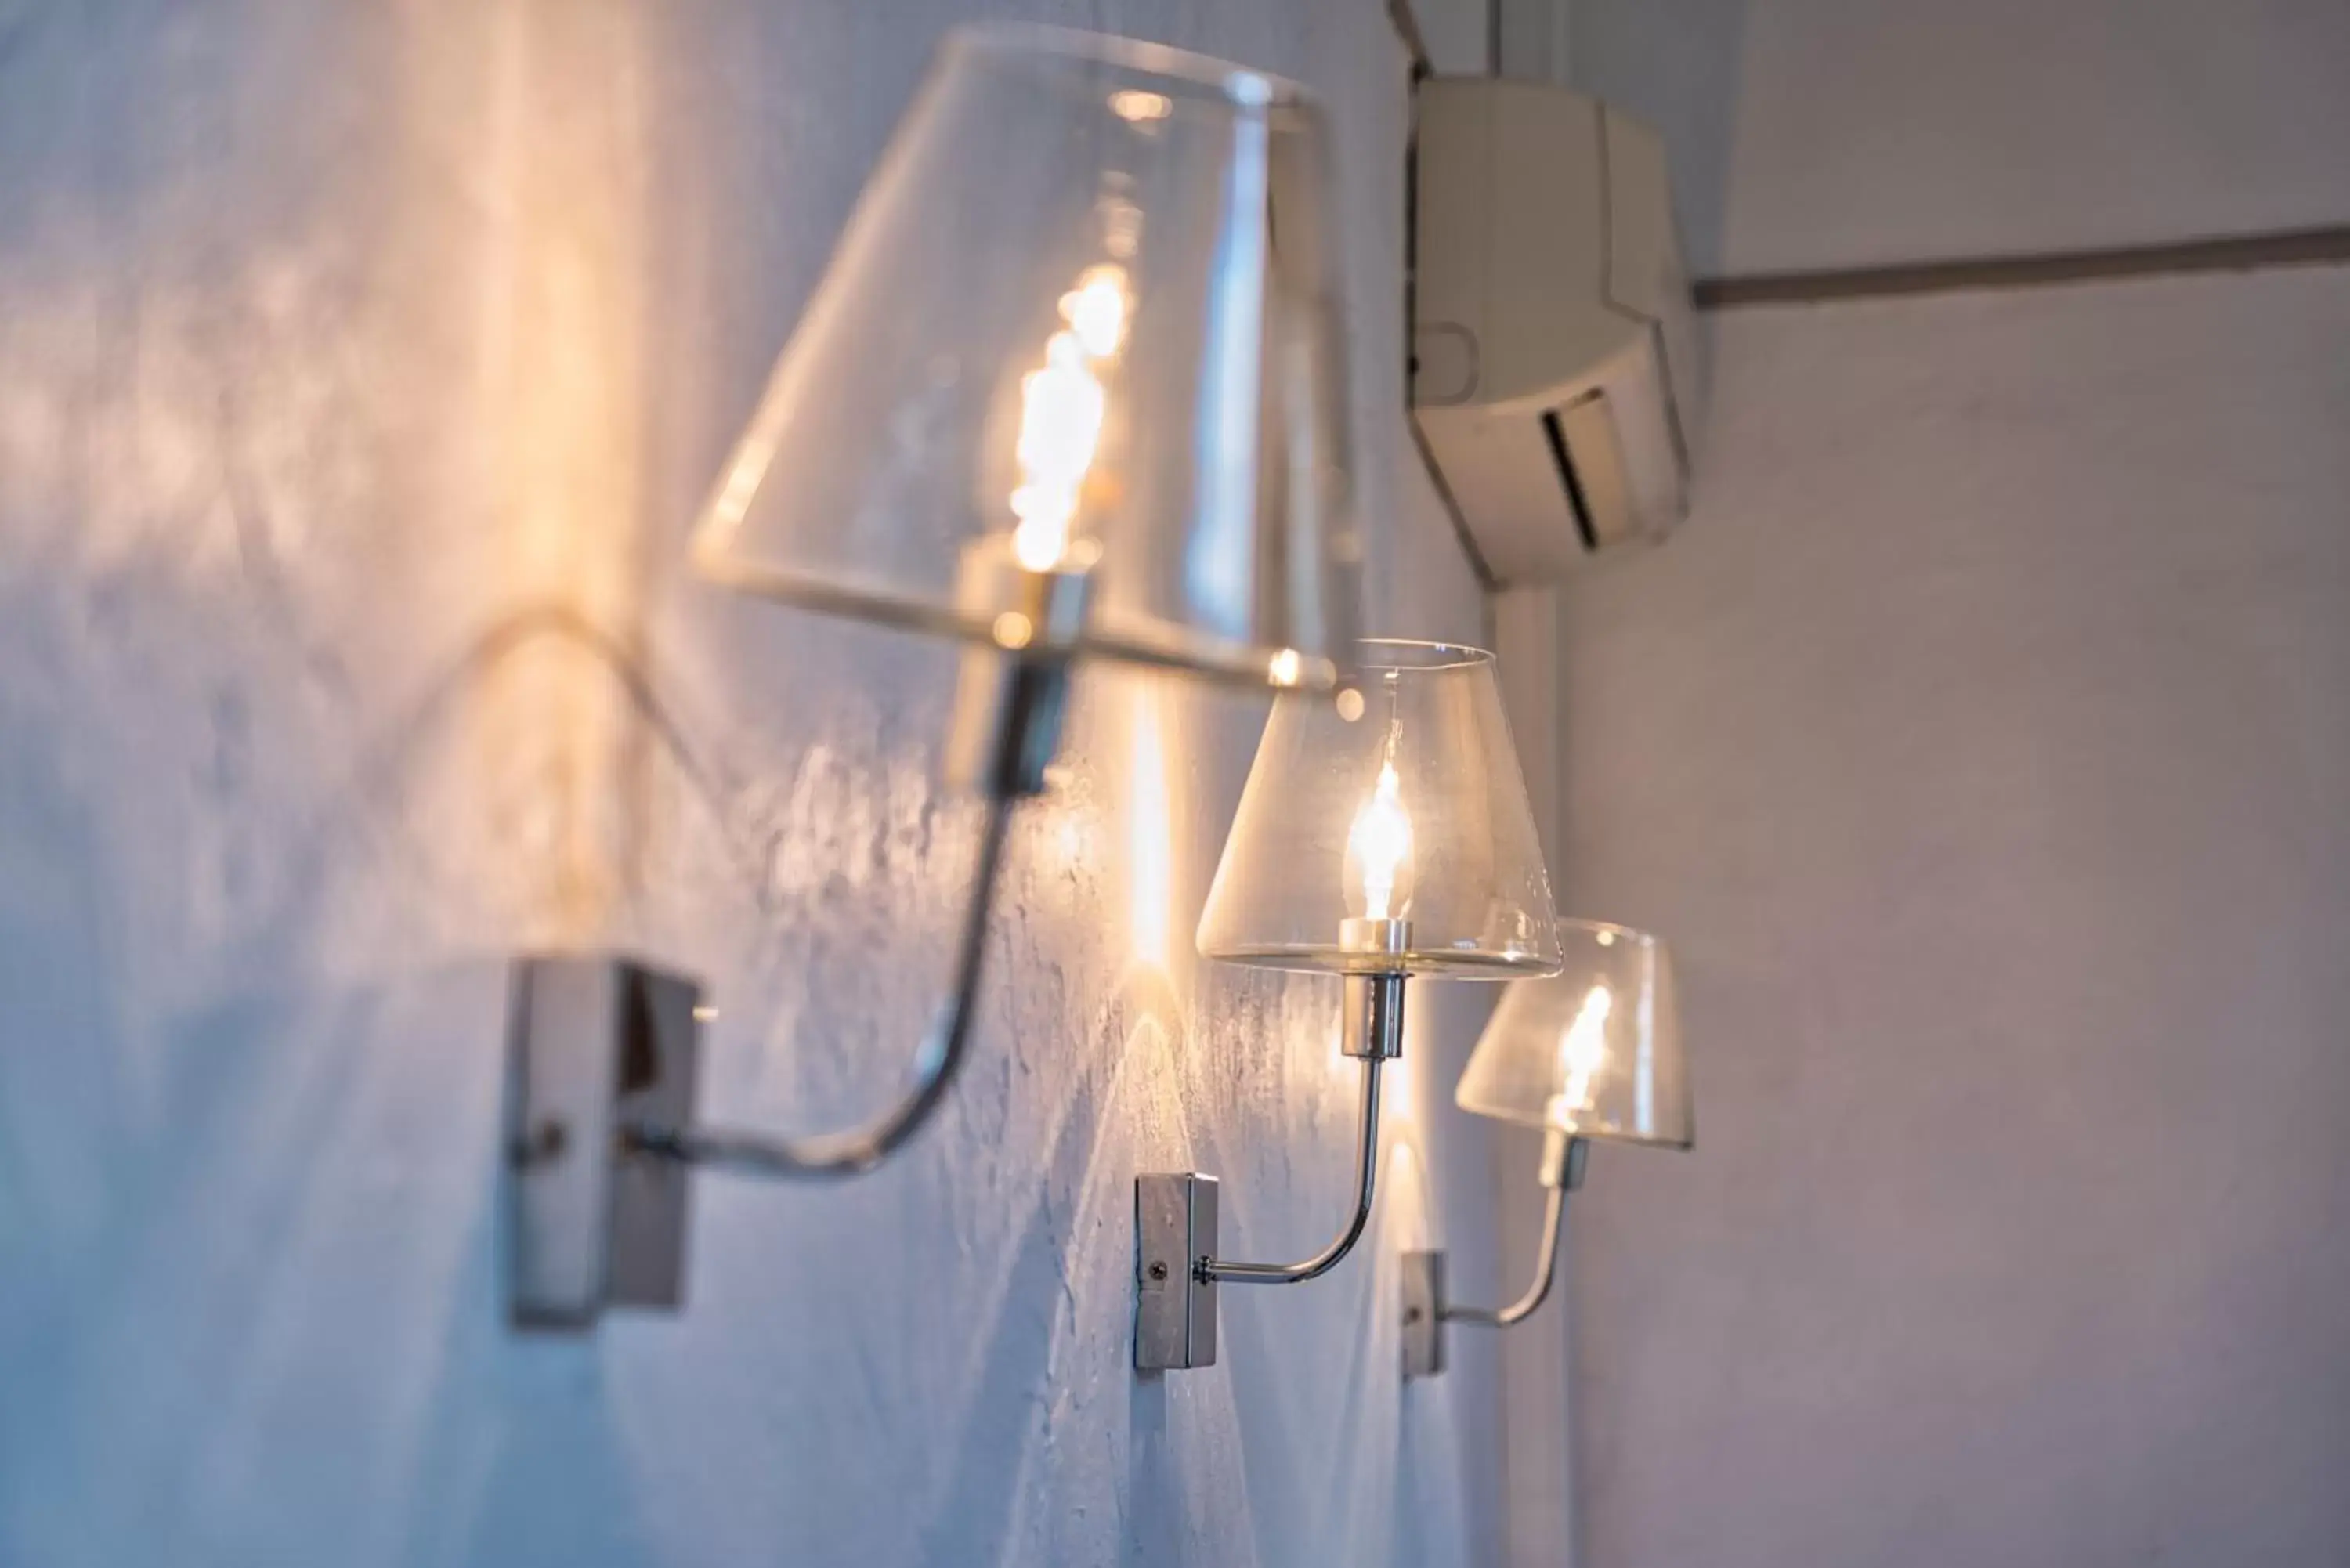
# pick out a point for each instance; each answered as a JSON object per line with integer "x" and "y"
{"x": 1175, "y": 1308}
{"x": 599, "y": 1044}
{"x": 1423, "y": 1315}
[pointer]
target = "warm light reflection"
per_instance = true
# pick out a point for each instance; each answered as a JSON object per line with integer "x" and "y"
{"x": 1149, "y": 833}
{"x": 560, "y": 355}
{"x": 1135, "y": 104}
{"x": 1072, "y": 841}
{"x": 1378, "y": 849}
{"x": 1062, "y": 407}
{"x": 1581, "y": 1052}
{"x": 1409, "y": 1221}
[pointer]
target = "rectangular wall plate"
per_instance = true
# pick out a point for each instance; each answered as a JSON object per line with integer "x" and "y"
{"x": 598, "y": 1043}
{"x": 1175, "y": 1311}
{"x": 1423, "y": 1315}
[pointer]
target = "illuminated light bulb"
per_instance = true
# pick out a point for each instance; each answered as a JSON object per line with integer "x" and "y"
{"x": 1062, "y": 407}
{"x": 1134, "y": 104}
{"x": 1581, "y": 1052}
{"x": 1095, "y": 311}
{"x": 1286, "y": 667}
{"x": 1378, "y": 867}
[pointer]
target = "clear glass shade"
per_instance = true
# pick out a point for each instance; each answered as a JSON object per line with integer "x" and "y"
{"x": 1085, "y": 317}
{"x": 1387, "y": 830}
{"x": 1594, "y": 1049}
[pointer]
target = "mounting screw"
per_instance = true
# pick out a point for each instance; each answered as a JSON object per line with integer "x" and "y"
{"x": 1158, "y": 1271}
{"x": 1410, "y": 1315}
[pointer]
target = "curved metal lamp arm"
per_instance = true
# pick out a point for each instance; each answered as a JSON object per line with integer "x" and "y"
{"x": 1026, "y": 699}
{"x": 1366, "y": 1161}
{"x": 1425, "y": 1310}
{"x": 602, "y": 1050}
{"x": 859, "y": 1149}
{"x": 1545, "y": 1268}
{"x": 1176, "y": 1267}
{"x": 1562, "y": 1173}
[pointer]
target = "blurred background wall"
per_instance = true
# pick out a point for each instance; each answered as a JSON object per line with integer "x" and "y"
{"x": 1984, "y": 741}
{"x": 360, "y": 367}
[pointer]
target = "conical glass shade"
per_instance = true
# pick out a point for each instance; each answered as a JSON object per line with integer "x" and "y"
{"x": 1085, "y": 316}
{"x": 1594, "y": 1049}
{"x": 1387, "y": 830}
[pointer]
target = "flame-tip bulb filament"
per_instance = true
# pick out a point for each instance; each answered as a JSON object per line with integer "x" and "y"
{"x": 1063, "y": 406}
{"x": 1581, "y": 1052}
{"x": 1379, "y": 850}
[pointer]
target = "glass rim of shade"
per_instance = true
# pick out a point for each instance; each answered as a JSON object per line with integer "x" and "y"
{"x": 1419, "y": 654}
{"x": 1210, "y": 80}
{"x": 1165, "y": 81}
{"x": 1610, "y": 929}
{"x": 1287, "y": 668}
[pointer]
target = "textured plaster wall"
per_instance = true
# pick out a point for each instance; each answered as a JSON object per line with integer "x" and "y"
{"x": 359, "y": 367}
{"x": 1982, "y": 739}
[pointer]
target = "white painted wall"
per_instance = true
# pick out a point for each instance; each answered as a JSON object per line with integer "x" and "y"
{"x": 1982, "y": 744}
{"x": 1982, "y": 740}
{"x": 1814, "y": 133}
{"x": 1457, "y": 33}
{"x": 352, "y": 360}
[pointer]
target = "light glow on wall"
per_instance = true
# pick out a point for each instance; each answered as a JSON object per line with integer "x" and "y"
{"x": 1150, "y": 834}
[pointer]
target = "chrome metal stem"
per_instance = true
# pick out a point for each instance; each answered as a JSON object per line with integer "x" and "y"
{"x": 1545, "y": 1267}
{"x": 1031, "y": 698}
{"x": 1563, "y": 1159}
{"x": 1367, "y": 1160}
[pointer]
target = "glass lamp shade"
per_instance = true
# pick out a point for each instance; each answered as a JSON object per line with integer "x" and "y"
{"x": 1387, "y": 830}
{"x": 1084, "y": 319}
{"x": 1594, "y": 1049}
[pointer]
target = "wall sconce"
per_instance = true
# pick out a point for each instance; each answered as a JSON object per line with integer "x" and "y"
{"x": 1382, "y": 834}
{"x": 1593, "y": 1052}
{"x": 1072, "y": 386}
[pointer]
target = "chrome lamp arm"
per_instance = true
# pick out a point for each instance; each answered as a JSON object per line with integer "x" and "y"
{"x": 603, "y": 1052}
{"x": 1367, "y": 1164}
{"x": 1425, "y": 1310}
{"x": 1177, "y": 1269}
{"x": 859, "y": 1149}
{"x": 1546, "y": 1268}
